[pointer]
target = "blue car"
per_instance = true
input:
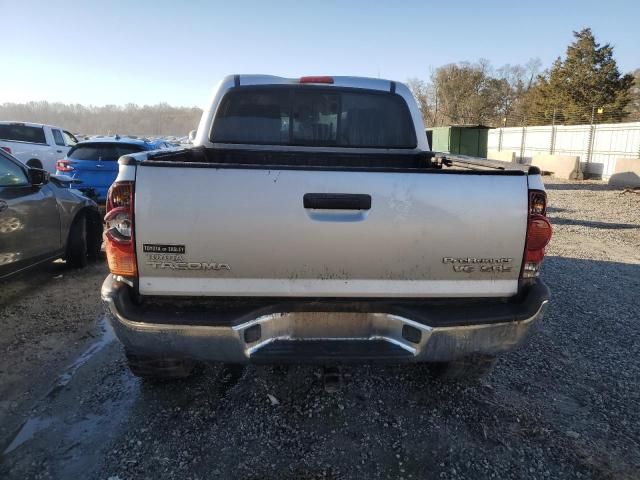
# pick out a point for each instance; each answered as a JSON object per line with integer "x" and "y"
{"x": 94, "y": 162}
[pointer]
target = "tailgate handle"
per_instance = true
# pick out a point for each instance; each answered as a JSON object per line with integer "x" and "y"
{"x": 337, "y": 201}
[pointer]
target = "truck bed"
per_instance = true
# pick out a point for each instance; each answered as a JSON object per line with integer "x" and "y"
{"x": 322, "y": 158}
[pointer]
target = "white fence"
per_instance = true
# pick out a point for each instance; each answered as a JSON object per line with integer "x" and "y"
{"x": 598, "y": 146}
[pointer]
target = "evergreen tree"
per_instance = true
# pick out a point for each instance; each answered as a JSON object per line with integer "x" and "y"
{"x": 586, "y": 81}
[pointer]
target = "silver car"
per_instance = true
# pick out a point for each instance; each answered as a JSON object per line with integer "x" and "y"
{"x": 42, "y": 218}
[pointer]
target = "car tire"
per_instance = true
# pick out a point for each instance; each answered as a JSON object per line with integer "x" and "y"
{"x": 153, "y": 368}
{"x": 466, "y": 369}
{"x": 34, "y": 163}
{"x": 77, "y": 255}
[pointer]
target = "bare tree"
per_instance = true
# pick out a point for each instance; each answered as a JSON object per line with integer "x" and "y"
{"x": 420, "y": 90}
{"x": 474, "y": 93}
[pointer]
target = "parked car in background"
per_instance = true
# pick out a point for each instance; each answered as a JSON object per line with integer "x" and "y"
{"x": 34, "y": 144}
{"x": 94, "y": 162}
{"x": 42, "y": 219}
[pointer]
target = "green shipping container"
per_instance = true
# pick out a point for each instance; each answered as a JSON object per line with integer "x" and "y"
{"x": 461, "y": 139}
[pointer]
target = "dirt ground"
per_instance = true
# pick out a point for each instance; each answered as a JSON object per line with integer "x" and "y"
{"x": 564, "y": 405}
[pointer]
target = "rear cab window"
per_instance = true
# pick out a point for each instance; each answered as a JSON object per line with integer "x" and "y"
{"x": 314, "y": 116}
{"x": 109, "y": 152}
{"x": 16, "y": 132}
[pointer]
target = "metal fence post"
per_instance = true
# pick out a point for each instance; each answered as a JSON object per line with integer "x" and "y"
{"x": 552, "y": 145}
{"x": 591, "y": 136}
{"x": 522, "y": 140}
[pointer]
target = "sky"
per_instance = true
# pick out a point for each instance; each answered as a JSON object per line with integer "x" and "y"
{"x": 146, "y": 52}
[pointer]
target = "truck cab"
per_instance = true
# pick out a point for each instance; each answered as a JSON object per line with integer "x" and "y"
{"x": 36, "y": 145}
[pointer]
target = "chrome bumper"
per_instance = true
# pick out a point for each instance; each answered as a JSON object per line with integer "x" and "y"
{"x": 313, "y": 335}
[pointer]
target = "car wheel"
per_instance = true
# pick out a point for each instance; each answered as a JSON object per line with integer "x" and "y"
{"x": 77, "y": 244}
{"x": 34, "y": 163}
{"x": 154, "y": 368}
{"x": 466, "y": 369}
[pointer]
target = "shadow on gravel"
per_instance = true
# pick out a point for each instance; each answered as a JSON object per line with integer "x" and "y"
{"x": 21, "y": 284}
{"x": 551, "y": 209}
{"x": 592, "y": 224}
{"x": 561, "y": 269}
{"x": 594, "y": 187}
{"x": 565, "y": 405}
{"x": 24, "y": 283}
{"x": 581, "y": 368}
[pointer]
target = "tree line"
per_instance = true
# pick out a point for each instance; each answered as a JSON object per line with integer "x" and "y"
{"x": 582, "y": 87}
{"x": 130, "y": 119}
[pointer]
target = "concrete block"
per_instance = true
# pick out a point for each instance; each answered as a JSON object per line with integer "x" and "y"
{"x": 626, "y": 173}
{"x": 559, "y": 166}
{"x": 502, "y": 155}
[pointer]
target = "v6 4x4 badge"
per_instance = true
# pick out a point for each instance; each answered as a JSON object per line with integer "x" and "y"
{"x": 473, "y": 264}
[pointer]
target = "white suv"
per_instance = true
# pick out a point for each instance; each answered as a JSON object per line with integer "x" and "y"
{"x": 34, "y": 144}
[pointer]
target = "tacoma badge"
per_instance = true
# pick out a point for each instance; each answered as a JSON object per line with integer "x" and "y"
{"x": 190, "y": 265}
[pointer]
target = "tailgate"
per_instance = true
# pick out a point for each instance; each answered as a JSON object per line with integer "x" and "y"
{"x": 291, "y": 232}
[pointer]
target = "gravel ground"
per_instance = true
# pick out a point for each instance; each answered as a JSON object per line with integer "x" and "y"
{"x": 565, "y": 405}
{"x": 42, "y": 330}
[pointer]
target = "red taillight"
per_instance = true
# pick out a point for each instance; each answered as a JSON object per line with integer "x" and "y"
{"x": 539, "y": 233}
{"x": 6, "y": 149}
{"x": 119, "y": 232}
{"x": 64, "y": 166}
{"x": 316, "y": 79}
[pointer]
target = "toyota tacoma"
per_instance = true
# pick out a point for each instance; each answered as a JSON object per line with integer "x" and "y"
{"x": 310, "y": 222}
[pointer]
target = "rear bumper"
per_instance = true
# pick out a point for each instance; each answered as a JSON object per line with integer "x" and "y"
{"x": 310, "y": 330}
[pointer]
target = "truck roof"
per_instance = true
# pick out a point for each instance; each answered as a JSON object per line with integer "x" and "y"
{"x": 28, "y": 124}
{"x": 336, "y": 81}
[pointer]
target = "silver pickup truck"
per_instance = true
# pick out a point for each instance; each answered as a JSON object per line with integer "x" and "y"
{"x": 311, "y": 223}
